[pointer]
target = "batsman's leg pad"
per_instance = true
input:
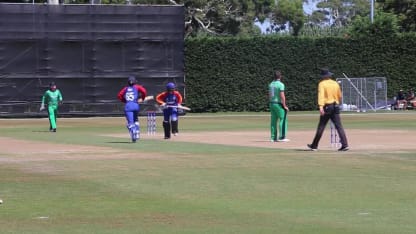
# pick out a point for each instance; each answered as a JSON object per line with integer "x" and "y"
{"x": 174, "y": 126}
{"x": 166, "y": 128}
{"x": 132, "y": 131}
{"x": 137, "y": 125}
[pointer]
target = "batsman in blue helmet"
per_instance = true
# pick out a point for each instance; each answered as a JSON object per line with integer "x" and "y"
{"x": 130, "y": 95}
{"x": 169, "y": 100}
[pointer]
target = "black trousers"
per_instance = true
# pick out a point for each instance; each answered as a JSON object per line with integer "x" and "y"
{"x": 332, "y": 112}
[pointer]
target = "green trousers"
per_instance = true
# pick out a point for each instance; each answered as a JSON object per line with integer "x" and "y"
{"x": 278, "y": 114}
{"x": 52, "y": 112}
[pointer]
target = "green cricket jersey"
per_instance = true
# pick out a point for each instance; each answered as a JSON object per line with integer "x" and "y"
{"x": 275, "y": 88}
{"x": 52, "y": 98}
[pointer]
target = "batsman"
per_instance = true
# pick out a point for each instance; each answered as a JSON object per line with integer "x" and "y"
{"x": 52, "y": 98}
{"x": 131, "y": 95}
{"x": 169, "y": 100}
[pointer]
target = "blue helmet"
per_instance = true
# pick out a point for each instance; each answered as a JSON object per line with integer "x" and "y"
{"x": 132, "y": 80}
{"x": 170, "y": 86}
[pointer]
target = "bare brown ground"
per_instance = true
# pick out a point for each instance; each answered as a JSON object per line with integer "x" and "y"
{"x": 363, "y": 140}
{"x": 26, "y": 151}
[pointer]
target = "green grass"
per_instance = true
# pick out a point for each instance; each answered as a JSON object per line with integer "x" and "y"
{"x": 203, "y": 188}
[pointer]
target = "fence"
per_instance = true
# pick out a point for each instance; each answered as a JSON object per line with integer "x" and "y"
{"x": 364, "y": 93}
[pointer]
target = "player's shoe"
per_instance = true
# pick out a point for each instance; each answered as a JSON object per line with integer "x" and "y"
{"x": 343, "y": 148}
{"x": 283, "y": 140}
{"x": 311, "y": 148}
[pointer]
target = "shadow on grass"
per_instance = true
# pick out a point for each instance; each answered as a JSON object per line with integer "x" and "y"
{"x": 119, "y": 142}
{"x": 307, "y": 150}
{"x": 41, "y": 131}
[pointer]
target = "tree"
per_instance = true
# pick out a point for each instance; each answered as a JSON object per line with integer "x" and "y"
{"x": 384, "y": 25}
{"x": 288, "y": 12}
{"x": 223, "y": 17}
{"x": 405, "y": 10}
{"x": 339, "y": 13}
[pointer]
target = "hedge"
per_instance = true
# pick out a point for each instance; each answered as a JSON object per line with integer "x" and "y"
{"x": 232, "y": 74}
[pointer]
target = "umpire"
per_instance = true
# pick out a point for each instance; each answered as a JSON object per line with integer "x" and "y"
{"x": 329, "y": 98}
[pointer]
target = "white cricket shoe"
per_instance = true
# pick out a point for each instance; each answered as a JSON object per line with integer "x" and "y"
{"x": 283, "y": 140}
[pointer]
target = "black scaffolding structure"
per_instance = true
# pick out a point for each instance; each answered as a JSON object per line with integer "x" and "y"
{"x": 89, "y": 51}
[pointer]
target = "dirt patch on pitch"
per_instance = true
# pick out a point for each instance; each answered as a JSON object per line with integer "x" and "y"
{"x": 15, "y": 150}
{"x": 371, "y": 140}
{"x": 26, "y": 151}
{"x": 358, "y": 139}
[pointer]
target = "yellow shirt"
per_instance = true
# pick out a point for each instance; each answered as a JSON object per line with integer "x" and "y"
{"x": 328, "y": 92}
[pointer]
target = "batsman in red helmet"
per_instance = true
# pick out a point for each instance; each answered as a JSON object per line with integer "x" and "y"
{"x": 169, "y": 100}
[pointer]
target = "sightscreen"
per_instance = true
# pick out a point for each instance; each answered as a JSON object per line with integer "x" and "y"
{"x": 89, "y": 51}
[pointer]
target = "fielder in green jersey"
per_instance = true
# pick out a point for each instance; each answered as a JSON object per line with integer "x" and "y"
{"x": 52, "y": 98}
{"x": 278, "y": 109}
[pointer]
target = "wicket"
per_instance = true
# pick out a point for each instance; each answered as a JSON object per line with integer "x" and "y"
{"x": 151, "y": 123}
{"x": 335, "y": 143}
